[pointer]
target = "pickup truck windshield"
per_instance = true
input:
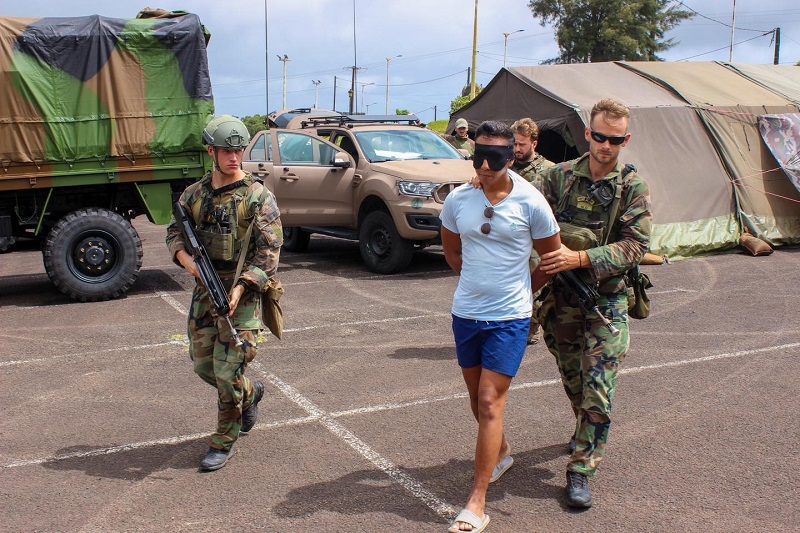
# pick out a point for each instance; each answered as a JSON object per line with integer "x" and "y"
{"x": 401, "y": 145}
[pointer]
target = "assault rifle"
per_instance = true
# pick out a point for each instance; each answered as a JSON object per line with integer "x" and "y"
{"x": 586, "y": 294}
{"x": 216, "y": 291}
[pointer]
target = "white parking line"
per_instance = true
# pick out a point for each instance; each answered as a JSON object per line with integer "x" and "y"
{"x": 315, "y": 413}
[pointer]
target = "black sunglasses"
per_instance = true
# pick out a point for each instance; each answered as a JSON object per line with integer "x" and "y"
{"x": 486, "y": 227}
{"x": 612, "y": 139}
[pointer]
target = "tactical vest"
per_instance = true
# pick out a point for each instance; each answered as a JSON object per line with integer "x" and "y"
{"x": 222, "y": 219}
{"x": 584, "y": 211}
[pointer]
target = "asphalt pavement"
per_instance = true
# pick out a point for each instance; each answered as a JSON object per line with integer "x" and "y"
{"x": 365, "y": 425}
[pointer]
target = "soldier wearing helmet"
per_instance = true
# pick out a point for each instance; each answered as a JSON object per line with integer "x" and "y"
{"x": 233, "y": 214}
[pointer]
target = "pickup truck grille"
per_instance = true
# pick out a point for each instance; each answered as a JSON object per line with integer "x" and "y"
{"x": 441, "y": 193}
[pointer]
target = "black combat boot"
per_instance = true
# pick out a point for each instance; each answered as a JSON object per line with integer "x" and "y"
{"x": 578, "y": 494}
{"x": 215, "y": 459}
{"x": 250, "y": 415}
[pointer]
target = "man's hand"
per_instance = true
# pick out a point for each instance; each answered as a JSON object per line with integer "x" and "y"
{"x": 236, "y": 294}
{"x": 560, "y": 260}
{"x": 475, "y": 182}
{"x": 187, "y": 262}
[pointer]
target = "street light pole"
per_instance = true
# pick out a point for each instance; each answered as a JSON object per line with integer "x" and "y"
{"x": 373, "y": 103}
{"x": 285, "y": 59}
{"x": 362, "y": 93}
{"x": 387, "y": 80}
{"x": 316, "y": 93}
{"x": 472, "y": 83}
{"x": 505, "y": 44}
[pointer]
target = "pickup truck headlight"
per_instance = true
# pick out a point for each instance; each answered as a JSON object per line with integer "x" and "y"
{"x": 424, "y": 189}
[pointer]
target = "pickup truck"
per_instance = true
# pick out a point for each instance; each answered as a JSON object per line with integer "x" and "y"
{"x": 380, "y": 180}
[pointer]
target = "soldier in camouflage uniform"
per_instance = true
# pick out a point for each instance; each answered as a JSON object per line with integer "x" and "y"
{"x": 223, "y": 205}
{"x": 529, "y": 165}
{"x": 461, "y": 140}
{"x": 582, "y": 193}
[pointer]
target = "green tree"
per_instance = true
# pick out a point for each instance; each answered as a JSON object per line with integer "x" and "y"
{"x": 609, "y": 30}
{"x": 399, "y": 111}
{"x": 254, "y": 123}
{"x": 460, "y": 101}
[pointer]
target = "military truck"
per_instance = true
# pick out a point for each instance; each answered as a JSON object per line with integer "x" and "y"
{"x": 380, "y": 180}
{"x": 100, "y": 121}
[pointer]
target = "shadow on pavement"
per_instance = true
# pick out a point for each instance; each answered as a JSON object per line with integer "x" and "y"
{"x": 133, "y": 465}
{"x": 372, "y": 491}
{"x": 433, "y": 353}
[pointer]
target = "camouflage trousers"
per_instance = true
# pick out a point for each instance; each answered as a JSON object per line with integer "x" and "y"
{"x": 221, "y": 364}
{"x": 588, "y": 358}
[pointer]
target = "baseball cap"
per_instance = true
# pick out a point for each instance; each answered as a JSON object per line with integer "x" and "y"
{"x": 461, "y": 123}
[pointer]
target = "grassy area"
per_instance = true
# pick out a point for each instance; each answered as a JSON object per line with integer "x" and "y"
{"x": 439, "y": 126}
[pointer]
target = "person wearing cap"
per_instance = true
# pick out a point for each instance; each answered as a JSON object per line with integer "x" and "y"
{"x": 461, "y": 138}
{"x": 232, "y": 214}
{"x": 487, "y": 236}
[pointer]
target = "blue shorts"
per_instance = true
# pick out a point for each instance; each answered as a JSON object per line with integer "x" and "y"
{"x": 494, "y": 345}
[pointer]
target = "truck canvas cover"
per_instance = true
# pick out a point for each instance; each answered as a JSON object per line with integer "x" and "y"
{"x": 93, "y": 88}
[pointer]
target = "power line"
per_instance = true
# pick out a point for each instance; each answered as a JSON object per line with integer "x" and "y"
{"x": 718, "y": 21}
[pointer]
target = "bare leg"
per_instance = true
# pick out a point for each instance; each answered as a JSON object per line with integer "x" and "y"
{"x": 488, "y": 392}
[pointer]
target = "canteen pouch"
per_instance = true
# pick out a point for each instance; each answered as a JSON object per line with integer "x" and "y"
{"x": 638, "y": 300}
{"x": 271, "y": 312}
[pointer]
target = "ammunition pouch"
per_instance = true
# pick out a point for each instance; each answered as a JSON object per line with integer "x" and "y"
{"x": 220, "y": 246}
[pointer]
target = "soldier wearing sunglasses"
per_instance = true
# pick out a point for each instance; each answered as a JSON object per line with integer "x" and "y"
{"x": 487, "y": 236}
{"x": 593, "y": 193}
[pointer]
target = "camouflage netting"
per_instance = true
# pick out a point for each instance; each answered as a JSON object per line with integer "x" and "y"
{"x": 87, "y": 88}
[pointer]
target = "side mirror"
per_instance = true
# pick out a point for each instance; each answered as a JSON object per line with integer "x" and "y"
{"x": 464, "y": 153}
{"x": 342, "y": 160}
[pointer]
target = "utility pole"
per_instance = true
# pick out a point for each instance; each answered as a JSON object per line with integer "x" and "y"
{"x": 776, "y": 60}
{"x": 352, "y": 92}
{"x": 285, "y": 59}
{"x": 473, "y": 85}
{"x": 316, "y": 93}
{"x": 733, "y": 27}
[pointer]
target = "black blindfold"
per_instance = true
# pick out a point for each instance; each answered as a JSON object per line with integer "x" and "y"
{"x": 497, "y": 156}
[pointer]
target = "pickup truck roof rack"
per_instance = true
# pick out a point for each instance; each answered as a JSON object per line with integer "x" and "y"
{"x": 351, "y": 120}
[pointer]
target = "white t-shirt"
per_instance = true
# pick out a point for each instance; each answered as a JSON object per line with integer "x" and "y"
{"x": 495, "y": 282}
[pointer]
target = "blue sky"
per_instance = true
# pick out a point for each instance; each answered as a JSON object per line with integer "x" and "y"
{"x": 433, "y": 38}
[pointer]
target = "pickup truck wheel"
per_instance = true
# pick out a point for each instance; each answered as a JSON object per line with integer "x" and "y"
{"x": 295, "y": 239}
{"x": 383, "y": 249}
{"x": 93, "y": 254}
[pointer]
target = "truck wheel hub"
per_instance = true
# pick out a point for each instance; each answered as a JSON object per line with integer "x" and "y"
{"x": 94, "y": 256}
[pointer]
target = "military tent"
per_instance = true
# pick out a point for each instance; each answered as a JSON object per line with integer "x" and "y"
{"x": 695, "y": 140}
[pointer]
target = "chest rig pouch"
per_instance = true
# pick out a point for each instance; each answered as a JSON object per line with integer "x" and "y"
{"x": 218, "y": 216}
{"x": 582, "y": 213}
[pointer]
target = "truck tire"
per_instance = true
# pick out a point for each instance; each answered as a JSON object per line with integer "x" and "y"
{"x": 295, "y": 239}
{"x": 93, "y": 254}
{"x": 6, "y": 243}
{"x": 383, "y": 250}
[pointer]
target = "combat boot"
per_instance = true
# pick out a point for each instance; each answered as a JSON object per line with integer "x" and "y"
{"x": 578, "y": 494}
{"x": 250, "y": 415}
{"x": 215, "y": 459}
{"x": 571, "y": 447}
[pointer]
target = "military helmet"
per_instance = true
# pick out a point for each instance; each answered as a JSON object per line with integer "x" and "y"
{"x": 226, "y": 132}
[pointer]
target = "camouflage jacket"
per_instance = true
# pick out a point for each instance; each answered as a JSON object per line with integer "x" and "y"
{"x": 461, "y": 144}
{"x": 248, "y": 202}
{"x": 532, "y": 170}
{"x": 629, "y": 236}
